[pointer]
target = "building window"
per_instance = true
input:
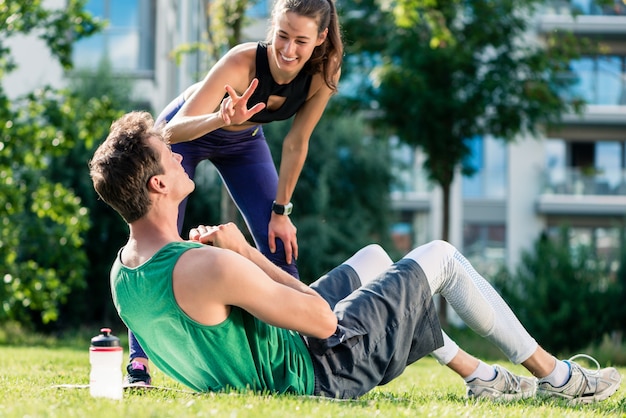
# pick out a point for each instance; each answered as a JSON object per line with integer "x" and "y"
{"x": 127, "y": 41}
{"x": 407, "y": 168}
{"x": 586, "y": 167}
{"x": 600, "y": 80}
{"x": 488, "y": 159}
{"x": 484, "y": 246}
{"x": 402, "y": 237}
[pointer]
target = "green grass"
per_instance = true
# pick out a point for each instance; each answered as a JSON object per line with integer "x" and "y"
{"x": 28, "y": 374}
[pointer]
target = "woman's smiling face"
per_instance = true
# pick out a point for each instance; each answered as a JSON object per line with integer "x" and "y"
{"x": 295, "y": 38}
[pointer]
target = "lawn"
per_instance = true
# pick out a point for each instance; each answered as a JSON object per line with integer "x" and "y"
{"x": 28, "y": 375}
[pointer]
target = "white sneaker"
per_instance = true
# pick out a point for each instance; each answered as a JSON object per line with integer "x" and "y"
{"x": 584, "y": 385}
{"x": 504, "y": 387}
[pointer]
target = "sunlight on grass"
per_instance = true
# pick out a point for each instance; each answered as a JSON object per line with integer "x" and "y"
{"x": 425, "y": 389}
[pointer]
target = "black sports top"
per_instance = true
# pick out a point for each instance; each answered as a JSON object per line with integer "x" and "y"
{"x": 294, "y": 92}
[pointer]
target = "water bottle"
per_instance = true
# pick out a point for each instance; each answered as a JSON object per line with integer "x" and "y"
{"x": 105, "y": 356}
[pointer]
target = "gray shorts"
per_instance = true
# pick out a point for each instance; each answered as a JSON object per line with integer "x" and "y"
{"x": 383, "y": 327}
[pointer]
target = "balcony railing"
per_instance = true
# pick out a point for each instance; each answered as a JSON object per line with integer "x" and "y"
{"x": 588, "y": 181}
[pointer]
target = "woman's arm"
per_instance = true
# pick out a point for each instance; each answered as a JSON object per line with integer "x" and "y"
{"x": 294, "y": 152}
{"x": 206, "y": 110}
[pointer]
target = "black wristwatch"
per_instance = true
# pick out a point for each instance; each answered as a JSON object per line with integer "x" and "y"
{"x": 282, "y": 209}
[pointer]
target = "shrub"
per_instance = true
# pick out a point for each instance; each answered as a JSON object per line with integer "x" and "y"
{"x": 564, "y": 295}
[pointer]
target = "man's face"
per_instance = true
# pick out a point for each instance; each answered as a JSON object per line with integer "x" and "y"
{"x": 177, "y": 179}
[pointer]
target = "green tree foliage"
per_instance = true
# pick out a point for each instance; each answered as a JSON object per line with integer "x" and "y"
{"x": 618, "y": 321}
{"x": 564, "y": 295}
{"x": 225, "y": 20}
{"x": 58, "y": 28}
{"x": 444, "y": 71}
{"x": 341, "y": 202}
{"x": 97, "y": 97}
{"x": 42, "y": 222}
{"x": 407, "y": 13}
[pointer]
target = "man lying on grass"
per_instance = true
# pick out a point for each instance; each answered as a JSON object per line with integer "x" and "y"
{"x": 215, "y": 314}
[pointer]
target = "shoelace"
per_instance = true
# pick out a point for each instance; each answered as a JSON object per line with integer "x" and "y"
{"x": 585, "y": 373}
{"x": 512, "y": 382}
{"x": 588, "y": 357}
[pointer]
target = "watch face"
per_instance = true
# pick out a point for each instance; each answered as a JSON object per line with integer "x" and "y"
{"x": 282, "y": 209}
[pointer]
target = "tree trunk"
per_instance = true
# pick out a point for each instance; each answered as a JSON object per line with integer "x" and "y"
{"x": 445, "y": 235}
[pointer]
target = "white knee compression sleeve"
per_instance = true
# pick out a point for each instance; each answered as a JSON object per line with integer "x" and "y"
{"x": 369, "y": 262}
{"x": 473, "y": 299}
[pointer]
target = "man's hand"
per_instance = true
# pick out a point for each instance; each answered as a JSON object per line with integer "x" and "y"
{"x": 234, "y": 108}
{"x": 226, "y": 236}
{"x": 281, "y": 227}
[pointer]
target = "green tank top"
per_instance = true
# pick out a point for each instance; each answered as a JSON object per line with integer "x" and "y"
{"x": 240, "y": 353}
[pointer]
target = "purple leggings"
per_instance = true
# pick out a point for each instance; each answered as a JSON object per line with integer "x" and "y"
{"x": 245, "y": 164}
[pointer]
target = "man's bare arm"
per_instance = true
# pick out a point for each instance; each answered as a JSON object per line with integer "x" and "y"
{"x": 209, "y": 280}
{"x": 230, "y": 237}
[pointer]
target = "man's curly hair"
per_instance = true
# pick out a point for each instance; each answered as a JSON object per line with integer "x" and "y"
{"x": 123, "y": 164}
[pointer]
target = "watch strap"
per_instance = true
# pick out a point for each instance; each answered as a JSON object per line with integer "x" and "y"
{"x": 282, "y": 209}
